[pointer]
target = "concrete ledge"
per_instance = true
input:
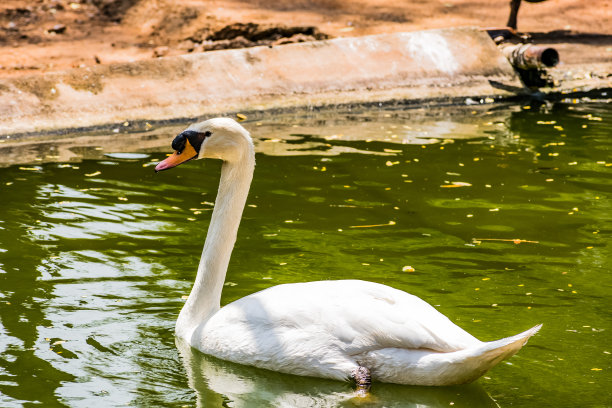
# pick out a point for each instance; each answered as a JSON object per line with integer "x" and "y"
{"x": 436, "y": 64}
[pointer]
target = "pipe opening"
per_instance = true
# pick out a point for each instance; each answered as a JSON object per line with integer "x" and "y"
{"x": 550, "y": 57}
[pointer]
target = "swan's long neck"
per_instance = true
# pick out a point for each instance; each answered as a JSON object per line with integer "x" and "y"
{"x": 205, "y": 297}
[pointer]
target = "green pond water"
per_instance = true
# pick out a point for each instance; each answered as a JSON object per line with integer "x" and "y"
{"x": 500, "y": 216}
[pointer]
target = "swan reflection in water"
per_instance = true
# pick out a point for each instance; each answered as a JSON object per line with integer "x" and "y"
{"x": 222, "y": 383}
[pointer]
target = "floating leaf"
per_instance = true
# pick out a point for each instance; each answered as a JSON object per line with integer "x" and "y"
{"x": 373, "y": 225}
{"x": 514, "y": 241}
{"x": 456, "y": 184}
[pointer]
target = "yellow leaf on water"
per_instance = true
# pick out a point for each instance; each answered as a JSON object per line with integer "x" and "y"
{"x": 373, "y": 225}
{"x": 455, "y": 184}
{"x": 95, "y": 173}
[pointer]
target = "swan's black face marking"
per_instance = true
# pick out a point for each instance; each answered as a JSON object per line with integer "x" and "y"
{"x": 195, "y": 140}
{"x": 186, "y": 147}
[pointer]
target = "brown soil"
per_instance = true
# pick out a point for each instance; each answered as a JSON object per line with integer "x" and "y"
{"x": 49, "y": 35}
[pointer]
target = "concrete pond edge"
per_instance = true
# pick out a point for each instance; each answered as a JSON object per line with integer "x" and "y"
{"x": 433, "y": 67}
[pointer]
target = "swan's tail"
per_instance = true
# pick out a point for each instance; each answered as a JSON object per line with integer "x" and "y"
{"x": 482, "y": 358}
{"x": 423, "y": 367}
{"x": 498, "y": 350}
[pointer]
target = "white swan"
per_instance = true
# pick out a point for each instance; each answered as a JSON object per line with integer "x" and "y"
{"x": 344, "y": 329}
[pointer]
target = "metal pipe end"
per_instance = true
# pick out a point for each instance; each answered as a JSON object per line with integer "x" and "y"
{"x": 550, "y": 57}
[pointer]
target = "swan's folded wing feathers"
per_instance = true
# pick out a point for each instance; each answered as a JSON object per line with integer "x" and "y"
{"x": 361, "y": 315}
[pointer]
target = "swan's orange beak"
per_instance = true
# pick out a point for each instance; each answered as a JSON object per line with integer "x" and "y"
{"x": 177, "y": 158}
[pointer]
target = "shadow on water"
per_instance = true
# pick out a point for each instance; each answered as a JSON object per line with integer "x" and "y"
{"x": 221, "y": 383}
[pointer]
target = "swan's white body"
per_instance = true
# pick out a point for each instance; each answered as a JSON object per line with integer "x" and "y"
{"x": 323, "y": 329}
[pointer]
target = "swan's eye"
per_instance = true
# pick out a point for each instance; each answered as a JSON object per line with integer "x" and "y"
{"x": 195, "y": 138}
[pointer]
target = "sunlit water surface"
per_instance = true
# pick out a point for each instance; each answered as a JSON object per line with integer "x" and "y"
{"x": 501, "y": 218}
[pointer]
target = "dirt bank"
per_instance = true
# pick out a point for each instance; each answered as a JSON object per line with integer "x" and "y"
{"x": 49, "y": 35}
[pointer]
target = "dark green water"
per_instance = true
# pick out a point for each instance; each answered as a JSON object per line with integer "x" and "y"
{"x": 96, "y": 254}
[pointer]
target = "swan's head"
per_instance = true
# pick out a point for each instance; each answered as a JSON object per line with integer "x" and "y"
{"x": 218, "y": 138}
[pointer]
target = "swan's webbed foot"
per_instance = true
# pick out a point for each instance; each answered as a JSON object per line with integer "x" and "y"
{"x": 363, "y": 380}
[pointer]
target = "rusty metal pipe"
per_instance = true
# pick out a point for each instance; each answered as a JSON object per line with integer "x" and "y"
{"x": 529, "y": 56}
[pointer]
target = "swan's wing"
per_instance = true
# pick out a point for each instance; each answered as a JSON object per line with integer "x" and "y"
{"x": 356, "y": 316}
